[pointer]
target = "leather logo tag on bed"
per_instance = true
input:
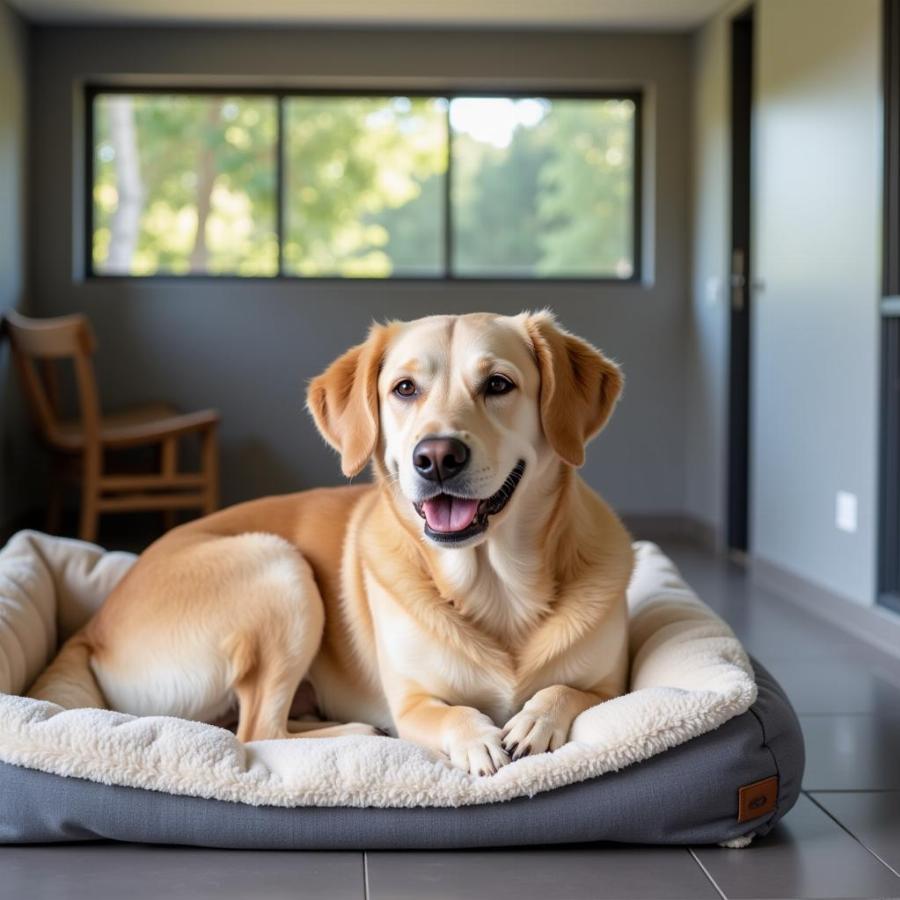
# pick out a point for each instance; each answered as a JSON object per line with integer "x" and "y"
{"x": 757, "y": 799}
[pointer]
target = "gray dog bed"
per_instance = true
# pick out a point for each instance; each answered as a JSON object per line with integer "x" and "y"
{"x": 705, "y": 747}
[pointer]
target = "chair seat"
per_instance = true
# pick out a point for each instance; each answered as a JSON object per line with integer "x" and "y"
{"x": 132, "y": 427}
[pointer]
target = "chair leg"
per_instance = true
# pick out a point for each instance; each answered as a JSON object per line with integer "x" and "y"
{"x": 210, "y": 462}
{"x": 55, "y": 500}
{"x": 90, "y": 495}
{"x": 87, "y": 528}
{"x": 168, "y": 466}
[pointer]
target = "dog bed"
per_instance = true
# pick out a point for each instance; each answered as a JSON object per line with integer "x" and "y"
{"x": 705, "y": 747}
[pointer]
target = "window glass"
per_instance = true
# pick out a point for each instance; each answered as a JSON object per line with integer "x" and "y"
{"x": 543, "y": 188}
{"x": 364, "y": 186}
{"x": 184, "y": 184}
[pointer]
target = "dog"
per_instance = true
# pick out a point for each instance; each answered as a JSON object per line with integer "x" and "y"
{"x": 470, "y": 599}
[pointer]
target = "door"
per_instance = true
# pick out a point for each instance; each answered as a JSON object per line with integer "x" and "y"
{"x": 889, "y": 544}
{"x": 740, "y": 294}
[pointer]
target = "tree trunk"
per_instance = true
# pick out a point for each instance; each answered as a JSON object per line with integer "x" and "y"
{"x": 206, "y": 179}
{"x": 125, "y": 223}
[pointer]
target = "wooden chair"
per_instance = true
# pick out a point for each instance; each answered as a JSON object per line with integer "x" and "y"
{"x": 79, "y": 446}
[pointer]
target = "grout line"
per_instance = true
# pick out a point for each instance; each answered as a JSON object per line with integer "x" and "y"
{"x": 895, "y": 790}
{"x": 705, "y": 871}
{"x": 365, "y": 875}
{"x": 846, "y": 715}
{"x": 840, "y": 824}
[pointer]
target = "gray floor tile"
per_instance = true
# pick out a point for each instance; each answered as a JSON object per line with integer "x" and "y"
{"x": 115, "y": 871}
{"x": 837, "y": 686}
{"x": 873, "y": 817}
{"x": 770, "y": 627}
{"x": 562, "y": 874}
{"x": 851, "y": 753}
{"x": 807, "y": 855}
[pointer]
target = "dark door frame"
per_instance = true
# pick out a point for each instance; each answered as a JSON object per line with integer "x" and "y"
{"x": 889, "y": 513}
{"x": 740, "y": 294}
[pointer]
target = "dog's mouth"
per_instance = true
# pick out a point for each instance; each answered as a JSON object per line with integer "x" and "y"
{"x": 451, "y": 519}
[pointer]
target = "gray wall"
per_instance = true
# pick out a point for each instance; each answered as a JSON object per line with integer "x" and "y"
{"x": 13, "y": 91}
{"x": 248, "y": 347}
{"x": 817, "y": 172}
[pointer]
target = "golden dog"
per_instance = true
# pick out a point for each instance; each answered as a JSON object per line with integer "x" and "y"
{"x": 471, "y": 599}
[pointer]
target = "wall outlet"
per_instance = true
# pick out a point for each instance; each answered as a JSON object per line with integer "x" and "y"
{"x": 845, "y": 511}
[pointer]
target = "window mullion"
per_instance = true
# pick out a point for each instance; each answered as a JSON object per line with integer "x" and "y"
{"x": 448, "y": 200}
{"x": 279, "y": 184}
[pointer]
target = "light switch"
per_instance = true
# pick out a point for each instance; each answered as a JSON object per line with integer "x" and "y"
{"x": 845, "y": 512}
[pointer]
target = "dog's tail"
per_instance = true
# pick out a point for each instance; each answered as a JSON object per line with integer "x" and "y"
{"x": 69, "y": 679}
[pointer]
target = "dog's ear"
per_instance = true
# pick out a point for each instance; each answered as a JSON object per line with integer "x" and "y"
{"x": 343, "y": 401}
{"x": 579, "y": 387}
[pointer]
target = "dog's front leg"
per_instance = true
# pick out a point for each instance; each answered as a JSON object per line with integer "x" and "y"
{"x": 471, "y": 739}
{"x": 544, "y": 721}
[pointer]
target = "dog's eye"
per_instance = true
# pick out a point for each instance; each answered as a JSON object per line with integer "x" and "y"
{"x": 498, "y": 384}
{"x": 405, "y": 388}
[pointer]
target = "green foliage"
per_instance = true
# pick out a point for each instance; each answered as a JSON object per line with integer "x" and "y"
{"x": 178, "y": 137}
{"x": 355, "y": 185}
{"x": 555, "y": 201}
{"x": 584, "y": 196}
{"x": 496, "y": 195}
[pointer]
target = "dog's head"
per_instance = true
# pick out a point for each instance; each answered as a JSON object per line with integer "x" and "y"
{"x": 463, "y": 412}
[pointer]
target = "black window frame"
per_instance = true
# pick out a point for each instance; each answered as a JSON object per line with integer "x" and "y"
{"x": 635, "y": 95}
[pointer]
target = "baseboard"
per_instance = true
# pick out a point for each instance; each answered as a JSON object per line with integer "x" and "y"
{"x": 672, "y": 527}
{"x": 874, "y": 624}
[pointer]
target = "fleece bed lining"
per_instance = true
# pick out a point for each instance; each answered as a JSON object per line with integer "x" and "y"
{"x": 689, "y": 675}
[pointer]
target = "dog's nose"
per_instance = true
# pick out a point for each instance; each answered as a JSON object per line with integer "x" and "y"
{"x": 438, "y": 459}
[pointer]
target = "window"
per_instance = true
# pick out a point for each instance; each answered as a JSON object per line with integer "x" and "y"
{"x": 364, "y": 186}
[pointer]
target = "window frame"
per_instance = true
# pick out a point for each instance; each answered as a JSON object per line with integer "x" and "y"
{"x": 280, "y": 94}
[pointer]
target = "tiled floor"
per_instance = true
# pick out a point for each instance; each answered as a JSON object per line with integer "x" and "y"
{"x": 841, "y": 840}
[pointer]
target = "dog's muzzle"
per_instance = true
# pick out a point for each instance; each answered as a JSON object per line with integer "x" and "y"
{"x": 452, "y": 519}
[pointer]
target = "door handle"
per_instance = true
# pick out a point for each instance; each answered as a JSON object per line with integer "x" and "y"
{"x": 738, "y": 280}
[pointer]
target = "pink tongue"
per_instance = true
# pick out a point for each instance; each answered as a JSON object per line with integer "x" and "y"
{"x": 449, "y": 514}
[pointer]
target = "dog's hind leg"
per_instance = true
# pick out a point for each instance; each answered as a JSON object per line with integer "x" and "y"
{"x": 271, "y": 657}
{"x": 264, "y": 699}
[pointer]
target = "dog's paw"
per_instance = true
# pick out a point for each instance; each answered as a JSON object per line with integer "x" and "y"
{"x": 537, "y": 728}
{"x": 477, "y": 747}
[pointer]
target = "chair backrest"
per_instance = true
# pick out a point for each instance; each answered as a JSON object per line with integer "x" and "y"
{"x": 38, "y": 345}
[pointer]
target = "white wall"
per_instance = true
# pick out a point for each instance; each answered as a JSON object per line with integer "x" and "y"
{"x": 817, "y": 240}
{"x": 817, "y": 248}
{"x": 13, "y": 90}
